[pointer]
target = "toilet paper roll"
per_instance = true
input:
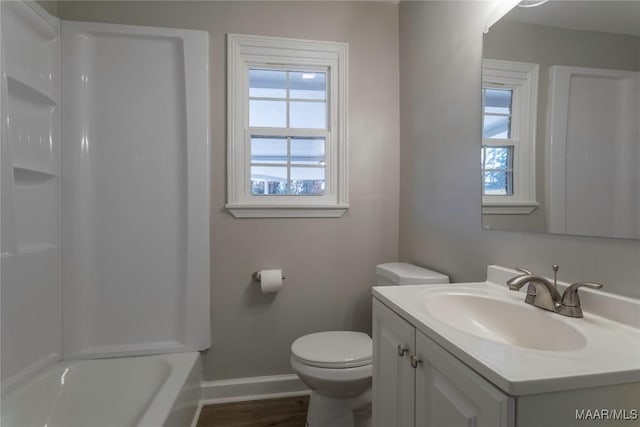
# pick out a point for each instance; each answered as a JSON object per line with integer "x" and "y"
{"x": 270, "y": 281}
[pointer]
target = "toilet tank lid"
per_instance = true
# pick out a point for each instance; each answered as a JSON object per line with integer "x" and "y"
{"x": 403, "y": 273}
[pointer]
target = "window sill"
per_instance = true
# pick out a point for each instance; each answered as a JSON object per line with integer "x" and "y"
{"x": 262, "y": 211}
{"x": 509, "y": 208}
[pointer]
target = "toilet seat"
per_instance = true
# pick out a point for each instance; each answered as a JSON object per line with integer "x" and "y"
{"x": 334, "y": 349}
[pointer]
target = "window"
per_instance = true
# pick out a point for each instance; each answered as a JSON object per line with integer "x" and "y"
{"x": 509, "y": 102}
{"x": 287, "y": 129}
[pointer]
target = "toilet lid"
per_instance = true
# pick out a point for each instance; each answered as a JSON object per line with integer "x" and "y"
{"x": 335, "y": 349}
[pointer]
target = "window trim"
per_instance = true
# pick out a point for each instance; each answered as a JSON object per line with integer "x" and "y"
{"x": 522, "y": 77}
{"x": 247, "y": 51}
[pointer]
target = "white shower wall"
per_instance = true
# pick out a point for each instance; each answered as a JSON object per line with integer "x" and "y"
{"x": 594, "y": 185}
{"x": 134, "y": 190}
{"x": 30, "y": 164}
{"x": 105, "y": 190}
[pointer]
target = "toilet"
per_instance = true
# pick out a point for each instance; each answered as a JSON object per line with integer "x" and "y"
{"x": 336, "y": 365}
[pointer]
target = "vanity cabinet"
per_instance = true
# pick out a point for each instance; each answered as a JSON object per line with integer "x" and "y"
{"x": 393, "y": 377}
{"x": 417, "y": 383}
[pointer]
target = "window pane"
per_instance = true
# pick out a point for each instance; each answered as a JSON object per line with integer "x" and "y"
{"x": 267, "y": 83}
{"x": 308, "y": 85}
{"x": 307, "y": 181}
{"x": 497, "y": 157}
{"x": 266, "y": 149}
{"x": 496, "y": 127}
{"x": 310, "y": 115}
{"x": 498, "y": 183}
{"x": 271, "y": 114}
{"x": 497, "y": 170}
{"x": 307, "y": 151}
{"x": 497, "y": 101}
{"x": 497, "y": 113}
{"x": 268, "y": 180}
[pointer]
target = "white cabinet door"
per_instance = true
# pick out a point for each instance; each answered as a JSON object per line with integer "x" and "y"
{"x": 393, "y": 376}
{"x": 450, "y": 394}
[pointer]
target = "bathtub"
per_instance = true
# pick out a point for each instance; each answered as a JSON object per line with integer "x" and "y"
{"x": 146, "y": 391}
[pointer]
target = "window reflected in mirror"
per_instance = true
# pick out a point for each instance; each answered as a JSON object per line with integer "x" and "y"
{"x": 580, "y": 172}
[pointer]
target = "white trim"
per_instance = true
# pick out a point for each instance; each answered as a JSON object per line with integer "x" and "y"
{"x": 522, "y": 77}
{"x": 252, "y": 388}
{"x": 510, "y": 209}
{"x": 246, "y": 50}
{"x": 310, "y": 211}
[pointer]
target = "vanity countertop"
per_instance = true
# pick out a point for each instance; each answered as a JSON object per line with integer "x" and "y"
{"x": 610, "y": 353}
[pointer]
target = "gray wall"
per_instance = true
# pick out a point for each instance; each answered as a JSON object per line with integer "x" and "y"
{"x": 440, "y": 201}
{"x": 329, "y": 263}
{"x": 440, "y": 215}
{"x": 50, "y": 6}
{"x": 547, "y": 46}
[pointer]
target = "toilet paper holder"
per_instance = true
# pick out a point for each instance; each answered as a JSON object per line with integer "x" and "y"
{"x": 256, "y": 276}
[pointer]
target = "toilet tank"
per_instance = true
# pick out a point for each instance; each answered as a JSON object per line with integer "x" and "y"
{"x": 403, "y": 273}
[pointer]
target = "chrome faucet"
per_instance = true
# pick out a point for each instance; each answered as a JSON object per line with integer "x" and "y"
{"x": 543, "y": 294}
{"x": 531, "y": 289}
{"x": 546, "y": 295}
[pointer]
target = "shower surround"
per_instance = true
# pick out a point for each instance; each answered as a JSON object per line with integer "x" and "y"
{"x": 105, "y": 191}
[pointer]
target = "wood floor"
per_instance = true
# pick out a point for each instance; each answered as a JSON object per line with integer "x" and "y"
{"x": 285, "y": 412}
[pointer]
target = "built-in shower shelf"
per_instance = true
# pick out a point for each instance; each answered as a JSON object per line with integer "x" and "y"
{"x": 29, "y": 175}
{"x": 29, "y": 249}
{"x": 17, "y": 88}
{"x": 33, "y": 128}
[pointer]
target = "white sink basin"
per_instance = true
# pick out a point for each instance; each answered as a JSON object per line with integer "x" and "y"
{"x": 503, "y": 321}
{"x": 521, "y": 348}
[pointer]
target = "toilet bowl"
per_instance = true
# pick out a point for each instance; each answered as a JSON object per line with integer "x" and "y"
{"x": 337, "y": 365}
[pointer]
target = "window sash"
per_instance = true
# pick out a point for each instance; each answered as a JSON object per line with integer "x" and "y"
{"x": 287, "y": 162}
{"x": 258, "y": 52}
{"x": 508, "y": 172}
{"x": 521, "y": 79}
{"x": 288, "y": 99}
{"x": 287, "y": 131}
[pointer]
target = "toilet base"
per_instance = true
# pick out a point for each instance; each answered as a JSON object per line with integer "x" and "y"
{"x": 332, "y": 412}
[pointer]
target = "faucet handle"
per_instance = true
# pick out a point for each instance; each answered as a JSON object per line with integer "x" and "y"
{"x": 523, "y": 270}
{"x": 570, "y": 296}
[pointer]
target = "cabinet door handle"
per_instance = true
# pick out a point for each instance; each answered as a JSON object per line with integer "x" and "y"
{"x": 415, "y": 361}
{"x": 402, "y": 350}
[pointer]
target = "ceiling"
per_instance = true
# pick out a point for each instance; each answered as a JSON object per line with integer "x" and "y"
{"x": 608, "y": 16}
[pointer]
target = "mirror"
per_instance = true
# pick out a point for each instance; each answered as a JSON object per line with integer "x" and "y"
{"x": 561, "y": 119}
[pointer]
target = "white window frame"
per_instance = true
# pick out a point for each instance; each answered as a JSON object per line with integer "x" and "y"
{"x": 522, "y": 78}
{"x": 248, "y": 51}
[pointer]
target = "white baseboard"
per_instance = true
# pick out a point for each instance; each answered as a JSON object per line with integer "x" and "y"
{"x": 254, "y": 388}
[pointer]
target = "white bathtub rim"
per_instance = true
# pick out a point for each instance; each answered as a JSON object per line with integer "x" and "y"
{"x": 210, "y": 392}
{"x": 163, "y": 402}
{"x": 29, "y": 373}
{"x": 157, "y": 411}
